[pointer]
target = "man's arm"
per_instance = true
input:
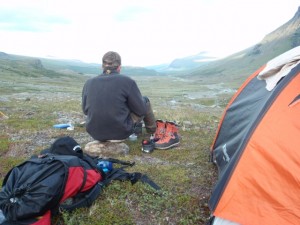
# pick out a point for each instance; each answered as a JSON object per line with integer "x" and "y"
{"x": 136, "y": 101}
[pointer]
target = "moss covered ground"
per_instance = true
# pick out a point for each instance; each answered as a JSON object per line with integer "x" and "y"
{"x": 185, "y": 174}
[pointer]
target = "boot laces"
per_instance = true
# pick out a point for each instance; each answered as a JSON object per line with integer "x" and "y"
{"x": 160, "y": 132}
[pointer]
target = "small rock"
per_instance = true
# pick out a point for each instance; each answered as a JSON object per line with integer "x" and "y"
{"x": 187, "y": 124}
{"x": 3, "y": 116}
{"x": 106, "y": 149}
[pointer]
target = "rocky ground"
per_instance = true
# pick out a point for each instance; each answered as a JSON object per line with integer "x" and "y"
{"x": 26, "y": 124}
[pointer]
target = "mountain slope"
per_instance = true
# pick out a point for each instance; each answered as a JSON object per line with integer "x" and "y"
{"x": 237, "y": 67}
{"x": 190, "y": 62}
{"x": 13, "y": 65}
{"x": 25, "y": 66}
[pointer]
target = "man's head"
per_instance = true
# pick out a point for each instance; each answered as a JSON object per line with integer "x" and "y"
{"x": 111, "y": 61}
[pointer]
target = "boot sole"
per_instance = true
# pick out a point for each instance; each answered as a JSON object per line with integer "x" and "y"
{"x": 167, "y": 147}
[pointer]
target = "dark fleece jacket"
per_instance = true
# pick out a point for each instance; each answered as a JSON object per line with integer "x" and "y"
{"x": 108, "y": 100}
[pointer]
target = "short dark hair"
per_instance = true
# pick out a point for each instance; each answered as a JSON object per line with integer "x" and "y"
{"x": 111, "y": 60}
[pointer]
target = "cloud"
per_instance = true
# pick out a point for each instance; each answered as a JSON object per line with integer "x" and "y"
{"x": 27, "y": 20}
{"x": 144, "y": 32}
{"x": 131, "y": 13}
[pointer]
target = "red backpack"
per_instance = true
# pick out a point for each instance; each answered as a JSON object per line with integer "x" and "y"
{"x": 39, "y": 186}
{"x": 61, "y": 177}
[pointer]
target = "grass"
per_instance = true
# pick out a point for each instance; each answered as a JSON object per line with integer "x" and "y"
{"x": 4, "y": 144}
{"x": 184, "y": 173}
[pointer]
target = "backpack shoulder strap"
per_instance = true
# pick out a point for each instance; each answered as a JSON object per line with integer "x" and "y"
{"x": 121, "y": 162}
{"x": 121, "y": 175}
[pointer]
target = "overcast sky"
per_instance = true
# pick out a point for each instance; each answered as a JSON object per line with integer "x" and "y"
{"x": 144, "y": 32}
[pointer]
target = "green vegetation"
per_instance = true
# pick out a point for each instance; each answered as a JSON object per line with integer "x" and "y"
{"x": 4, "y": 144}
{"x": 186, "y": 176}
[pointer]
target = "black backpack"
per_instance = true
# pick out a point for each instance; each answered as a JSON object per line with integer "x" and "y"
{"x": 61, "y": 177}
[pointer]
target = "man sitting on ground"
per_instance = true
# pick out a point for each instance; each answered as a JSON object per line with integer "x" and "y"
{"x": 113, "y": 103}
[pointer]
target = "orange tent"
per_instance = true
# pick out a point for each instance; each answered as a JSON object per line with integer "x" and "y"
{"x": 257, "y": 148}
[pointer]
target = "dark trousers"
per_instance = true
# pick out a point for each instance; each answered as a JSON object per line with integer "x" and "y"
{"x": 149, "y": 118}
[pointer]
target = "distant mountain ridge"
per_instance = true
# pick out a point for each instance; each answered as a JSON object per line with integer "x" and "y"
{"x": 244, "y": 62}
{"x": 240, "y": 65}
{"x": 14, "y": 65}
{"x": 32, "y": 66}
{"x": 190, "y": 62}
{"x": 233, "y": 68}
{"x": 92, "y": 68}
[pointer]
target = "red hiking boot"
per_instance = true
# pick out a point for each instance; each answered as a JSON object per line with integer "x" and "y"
{"x": 170, "y": 138}
{"x": 160, "y": 130}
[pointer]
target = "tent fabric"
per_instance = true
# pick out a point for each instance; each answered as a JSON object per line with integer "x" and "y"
{"x": 279, "y": 67}
{"x": 257, "y": 153}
